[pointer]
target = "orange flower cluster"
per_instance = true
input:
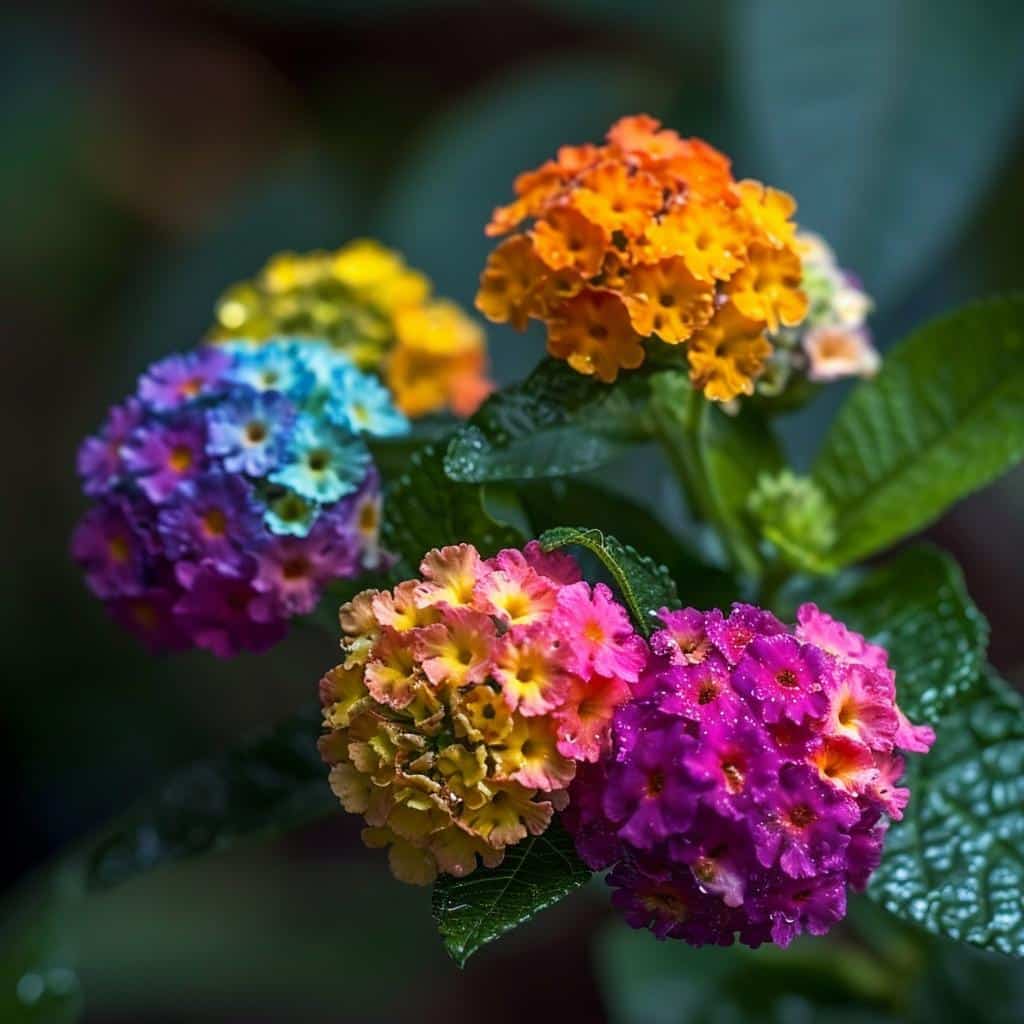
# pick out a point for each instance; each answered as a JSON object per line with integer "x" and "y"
{"x": 647, "y": 236}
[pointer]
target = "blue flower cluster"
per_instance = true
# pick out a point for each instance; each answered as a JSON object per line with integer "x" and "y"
{"x": 231, "y": 489}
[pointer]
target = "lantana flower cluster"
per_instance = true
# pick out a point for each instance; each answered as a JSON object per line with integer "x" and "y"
{"x": 375, "y": 309}
{"x": 833, "y": 340}
{"x": 749, "y": 783}
{"x": 230, "y": 489}
{"x": 648, "y": 236}
{"x": 465, "y": 700}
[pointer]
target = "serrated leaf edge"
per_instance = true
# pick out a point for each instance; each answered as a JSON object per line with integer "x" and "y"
{"x": 585, "y": 537}
{"x": 462, "y": 951}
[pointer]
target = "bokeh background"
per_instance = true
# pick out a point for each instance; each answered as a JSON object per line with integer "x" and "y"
{"x": 154, "y": 152}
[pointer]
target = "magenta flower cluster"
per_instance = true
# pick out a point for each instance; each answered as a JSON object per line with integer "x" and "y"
{"x": 230, "y": 490}
{"x": 750, "y": 782}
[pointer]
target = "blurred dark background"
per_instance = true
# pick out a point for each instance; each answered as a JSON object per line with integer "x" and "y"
{"x": 155, "y": 152}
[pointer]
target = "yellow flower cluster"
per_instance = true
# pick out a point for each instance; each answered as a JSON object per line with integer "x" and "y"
{"x": 648, "y": 236}
{"x": 438, "y": 731}
{"x": 367, "y": 302}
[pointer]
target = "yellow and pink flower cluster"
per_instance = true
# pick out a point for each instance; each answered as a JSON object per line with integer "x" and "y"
{"x": 648, "y": 236}
{"x": 465, "y": 700}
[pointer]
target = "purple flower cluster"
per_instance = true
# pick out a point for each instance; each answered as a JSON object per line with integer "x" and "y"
{"x": 230, "y": 490}
{"x": 749, "y": 780}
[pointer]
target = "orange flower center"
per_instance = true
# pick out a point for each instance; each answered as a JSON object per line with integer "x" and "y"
{"x": 119, "y": 549}
{"x": 368, "y": 517}
{"x": 666, "y": 902}
{"x": 215, "y": 523}
{"x": 180, "y": 459}
{"x": 801, "y": 816}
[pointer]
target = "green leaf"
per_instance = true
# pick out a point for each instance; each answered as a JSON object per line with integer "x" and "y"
{"x": 816, "y": 81}
{"x": 942, "y": 419}
{"x": 719, "y": 457}
{"x": 822, "y": 980}
{"x": 955, "y": 863}
{"x": 872, "y": 969}
{"x": 917, "y": 607}
{"x": 425, "y": 509}
{"x": 645, "y": 585}
{"x": 483, "y": 906}
{"x": 265, "y": 787}
{"x": 391, "y": 454}
{"x": 965, "y": 984}
{"x": 555, "y": 423}
{"x": 548, "y": 503}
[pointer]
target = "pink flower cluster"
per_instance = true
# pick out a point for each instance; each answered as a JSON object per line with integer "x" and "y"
{"x": 749, "y": 782}
{"x": 467, "y": 697}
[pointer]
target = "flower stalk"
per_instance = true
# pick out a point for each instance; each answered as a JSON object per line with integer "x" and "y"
{"x": 682, "y": 427}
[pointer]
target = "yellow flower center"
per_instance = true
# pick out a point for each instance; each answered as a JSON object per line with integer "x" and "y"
{"x": 848, "y": 713}
{"x": 368, "y": 517}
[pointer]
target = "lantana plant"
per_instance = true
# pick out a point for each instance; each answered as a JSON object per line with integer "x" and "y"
{"x": 740, "y": 721}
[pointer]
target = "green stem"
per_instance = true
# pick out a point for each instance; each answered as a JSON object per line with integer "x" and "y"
{"x": 682, "y": 425}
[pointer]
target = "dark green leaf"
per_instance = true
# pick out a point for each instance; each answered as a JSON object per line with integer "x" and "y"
{"x": 268, "y": 786}
{"x": 555, "y": 423}
{"x": 481, "y": 907}
{"x": 425, "y": 509}
{"x": 917, "y": 607}
{"x": 964, "y": 984}
{"x": 645, "y": 585}
{"x": 955, "y": 863}
{"x": 391, "y": 455}
{"x": 828, "y": 87}
{"x": 550, "y": 502}
{"x": 942, "y": 419}
{"x": 720, "y": 456}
